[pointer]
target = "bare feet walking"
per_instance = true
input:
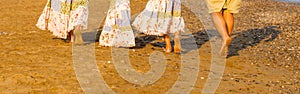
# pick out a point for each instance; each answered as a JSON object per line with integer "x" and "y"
{"x": 222, "y": 16}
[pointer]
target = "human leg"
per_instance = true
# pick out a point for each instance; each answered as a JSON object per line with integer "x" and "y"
{"x": 177, "y": 46}
{"x": 167, "y": 39}
{"x": 77, "y": 33}
{"x": 221, "y": 27}
{"x": 229, "y": 20}
{"x": 71, "y": 36}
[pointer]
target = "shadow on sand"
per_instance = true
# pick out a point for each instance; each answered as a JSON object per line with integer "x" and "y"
{"x": 240, "y": 41}
{"x": 251, "y": 37}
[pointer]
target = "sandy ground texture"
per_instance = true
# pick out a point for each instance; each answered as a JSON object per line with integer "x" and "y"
{"x": 264, "y": 55}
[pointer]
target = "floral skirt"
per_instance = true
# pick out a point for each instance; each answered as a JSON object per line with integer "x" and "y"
{"x": 160, "y": 17}
{"x": 60, "y": 16}
{"x": 117, "y": 29}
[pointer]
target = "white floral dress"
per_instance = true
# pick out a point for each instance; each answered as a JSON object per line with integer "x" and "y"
{"x": 160, "y": 17}
{"x": 60, "y": 16}
{"x": 117, "y": 29}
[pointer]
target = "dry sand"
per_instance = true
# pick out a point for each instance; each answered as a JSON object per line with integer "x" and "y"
{"x": 264, "y": 55}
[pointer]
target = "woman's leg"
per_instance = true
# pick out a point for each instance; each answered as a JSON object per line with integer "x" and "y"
{"x": 168, "y": 43}
{"x": 177, "y": 46}
{"x": 71, "y": 36}
{"x": 221, "y": 27}
{"x": 78, "y": 37}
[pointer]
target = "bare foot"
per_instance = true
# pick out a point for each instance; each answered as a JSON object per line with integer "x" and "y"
{"x": 168, "y": 50}
{"x": 224, "y": 48}
{"x": 177, "y": 49}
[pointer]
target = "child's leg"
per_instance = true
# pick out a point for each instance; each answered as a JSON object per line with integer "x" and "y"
{"x": 177, "y": 46}
{"x": 168, "y": 43}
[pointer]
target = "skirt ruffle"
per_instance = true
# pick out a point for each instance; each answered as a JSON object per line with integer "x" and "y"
{"x": 61, "y": 23}
{"x": 117, "y": 30}
{"x": 160, "y": 17}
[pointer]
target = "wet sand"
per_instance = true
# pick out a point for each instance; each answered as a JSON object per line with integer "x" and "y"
{"x": 264, "y": 54}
